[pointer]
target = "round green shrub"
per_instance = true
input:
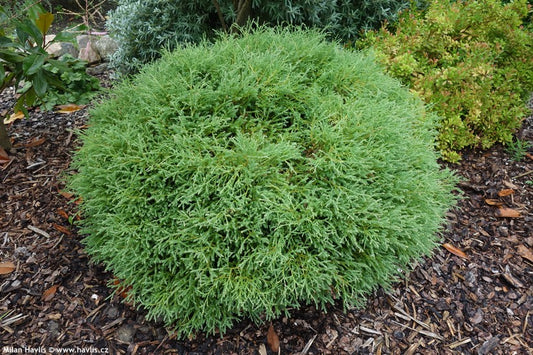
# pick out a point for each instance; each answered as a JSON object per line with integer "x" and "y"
{"x": 256, "y": 174}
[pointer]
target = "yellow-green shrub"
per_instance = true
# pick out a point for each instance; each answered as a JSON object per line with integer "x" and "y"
{"x": 472, "y": 60}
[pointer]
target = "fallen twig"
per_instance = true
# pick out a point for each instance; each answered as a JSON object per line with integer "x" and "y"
{"x": 523, "y": 174}
{"x": 421, "y": 331}
{"x": 308, "y": 345}
{"x": 38, "y": 231}
{"x": 459, "y": 343}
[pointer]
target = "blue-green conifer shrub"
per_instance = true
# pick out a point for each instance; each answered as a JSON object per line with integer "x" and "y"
{"x": 257, "y": 174}
{"x": 143, "y": 27}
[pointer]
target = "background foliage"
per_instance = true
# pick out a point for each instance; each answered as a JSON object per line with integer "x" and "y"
{"x": 255, "y": 174}
{"x": 472, "y": 60}
{"x": 28, "y": 67}
{"x": 142, "y": 28}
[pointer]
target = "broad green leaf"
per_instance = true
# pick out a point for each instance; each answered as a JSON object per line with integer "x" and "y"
{"x": 10, "y": 56}
{"x": 2, "y": 74}
{"x": 33, "y": 63}
{"x": 3, "y": 19}
{"x": 59, "y": 65}
{"x": 54, "y": 80}
{"x": 5, "y": 42}
{"x": 69, "y": 34}
{"x": 44, "y": 22}
{"x": 40, "y": 84}
{"x": 64, "y": 37}
{"x": 27, "y": 30}
{"x": 35, "y": 11}
{"x": 31, "y": 97}
{"x": 22, "y": 35}
{"x": 20, "y": 104}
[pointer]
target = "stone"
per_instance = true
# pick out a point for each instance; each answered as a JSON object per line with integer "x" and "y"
{"x": 53, "y": 329}
{"x": 82, "y": 41}
{"x": 125, "y": 333}
{"x": 98, "y": 69}
{"x": 106, "y": 46}
{"x": 488, "y": 345}
{"x": 22, "y": 252}
{"x": 57, "y": 49}
{"x": 87, "y": 50}
{"x": 88, "y": 54}
{"x": 63, "y": 48}
{"x": 113, "y": 312}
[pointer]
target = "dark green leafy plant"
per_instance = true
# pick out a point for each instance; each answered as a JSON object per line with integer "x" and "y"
{"x": 518, "y": 149}
{"x": 78, "y": 87}
{"x": 241, "y": 178}
{"x": 472, "y": 60}
{"x": 25, "y": 64}
{"x": 143, "y": 28}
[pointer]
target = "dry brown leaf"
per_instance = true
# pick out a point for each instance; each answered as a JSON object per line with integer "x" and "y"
{"x": 493, "y": 202}
{"x": 35, "y": 142}
{"x": 455, "y": 251}
{"x": 62, "y": 213}
{"x": 525, "y": 252}
{"x": 7, "y": 267}
{"x": 61, "y": 228}
{"x": 121, "y": 290}
{"x": 69, "y": 108}
{"x": 507, "y": 212}
{"x": 15, "y": 116}
{"x": 272, "y": 339}
{"x": 4, "y": 158}
{"x": 49, "y": 293}
{"x": 530, "y": 156}
{"x": 505, "y": 192}
{"x": 70, "y": 196}
{"x": 66, "y": 194}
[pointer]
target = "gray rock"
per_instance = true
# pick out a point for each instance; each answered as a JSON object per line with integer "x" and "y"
{"x": 53, "y": 328}
{"x": 112, "y": 312}
{"x": 106, "y": 46}
{"x": 89, "y": 54}
{"x": 68, "y": 48}
{"x": 98, "y": 69}
{"x": 22, "y": 252}
{"x": 487, "y": 346}
{"x": 57, "y": 49}
{"x": 125, "y": 333}
{"x": 82, "y": 41}
{"x": 87, "y": 50}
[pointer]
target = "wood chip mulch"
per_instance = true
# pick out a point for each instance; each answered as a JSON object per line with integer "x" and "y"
{"x": 473, "y": 296}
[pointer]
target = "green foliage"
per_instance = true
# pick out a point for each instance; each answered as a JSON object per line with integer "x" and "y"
{"x": 255, "y": 174}
{"x": 518, "y": 149}
{"x": 25, "y": 63}
{"x": 78, "y": 87}
{"x": 471, "y": 60}
{"x": 142, "y": 28}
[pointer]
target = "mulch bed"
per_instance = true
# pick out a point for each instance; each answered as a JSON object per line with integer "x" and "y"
{"x": 475, "y": 299}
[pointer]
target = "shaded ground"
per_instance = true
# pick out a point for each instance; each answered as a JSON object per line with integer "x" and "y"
{"x": 55, "y": 297}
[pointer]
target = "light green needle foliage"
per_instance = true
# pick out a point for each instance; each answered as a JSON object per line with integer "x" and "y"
{"x": 241, "y": 178}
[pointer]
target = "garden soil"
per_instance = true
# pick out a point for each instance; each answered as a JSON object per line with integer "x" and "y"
{"x": 474, "y": 295}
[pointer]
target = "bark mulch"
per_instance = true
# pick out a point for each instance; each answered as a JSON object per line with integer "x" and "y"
{"x": 473, "y": 296}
